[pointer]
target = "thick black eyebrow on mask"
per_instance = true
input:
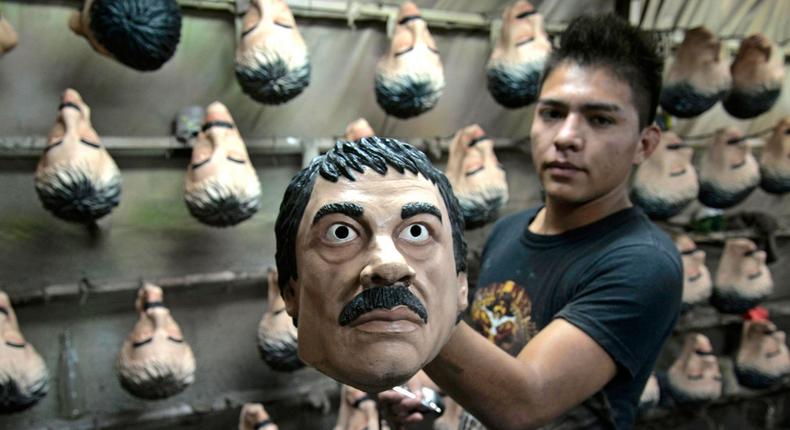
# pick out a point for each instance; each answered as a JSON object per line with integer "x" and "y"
{"x": 69, "y": 104}
{"x": 246, "y": 32}
{"x": 415, "y": 208}
{"x": 477, "y": 140}
{"x": 4, "y": 311}
{"x": 689, "y": 251}
{"x": 523, "y": 15}
{"x": 196, "y": 165}
{"x": 348, "y": 209}
{"x": 91, "y": 144}
{"x": 142, "y": 342}
{"x": 15, "y": 345}
{"x": 408, "y": 18}
{"x": 52, "y": 146}
{"x": 223, "y": 124}
{"x": 525, "y": 41}
{"x": 474, "y": 172}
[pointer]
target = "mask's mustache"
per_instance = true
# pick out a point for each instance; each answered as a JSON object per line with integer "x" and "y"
{"x": 386, "y": 297}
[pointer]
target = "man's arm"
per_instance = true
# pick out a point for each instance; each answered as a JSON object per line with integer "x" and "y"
{"x": 558, "y": 369}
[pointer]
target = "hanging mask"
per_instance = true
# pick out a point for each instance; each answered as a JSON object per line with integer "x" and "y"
{"x": 757, "y": 76}
{"x": 695, "y": 376}
{"x": 728, "y": 171}
{"x": 742, "y": 278}
{"x": 775, "y": 160}
{"x": 762, "y": 360}
{"x": 277, "y": 341}
{"x": 8, "y": 36}
{"x": 697, "y": 283}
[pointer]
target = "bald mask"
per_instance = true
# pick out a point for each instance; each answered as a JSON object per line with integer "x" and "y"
{"x": 155, "y": 361}
{"x": 358, "y": 129}
{"x": 8, "y": 36}
{"x": 357, "y": 411}
{"x": 478, "y": 179}
{"x": 775, "y": 160}
{"x": 514, "y": 69}
{"x": 409, "y": 77}
{"x": 254, "y": 417}
{"x": 666, "y": 182}
{"x": 698, "y": 78}
{"x": 272, "y": 63}
{"x": 221, "y": 187}
{"x": 728, "y": 171}
{"x": 142, "y": 34}
{"x": 762, "y": 359}
{"x": 757, "y": 76}
{"x": 651, "y": 394}
{"x": 366, "y": 255}
{"x": 742, "y": 278}
{"x": 76, "y": 179}
{"x": 697, "y": 283}
{"x": 24, "y": 378}
{"x": 694, "y": 376}
{"x": 277, "y": 342}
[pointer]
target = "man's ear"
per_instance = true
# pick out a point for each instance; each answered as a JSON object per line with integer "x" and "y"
{"x": 463, "y": 291}
{"x": 648, "y": 142}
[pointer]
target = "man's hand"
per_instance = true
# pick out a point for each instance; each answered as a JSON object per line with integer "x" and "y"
{"x": 400, "y": 410}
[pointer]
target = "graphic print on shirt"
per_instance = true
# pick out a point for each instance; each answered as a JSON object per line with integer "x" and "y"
{"x": 502, "y": 312}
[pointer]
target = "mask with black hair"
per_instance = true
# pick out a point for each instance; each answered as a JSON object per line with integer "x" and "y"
{"x": 762, "y": 360}
{"x": 728, "y": 171}
{"x": 142, "y": 34}
{"x": 272, "y": 62}
{"x": 478, "y": 180}
{"x": 695, "y": 378}
{"x": 409, "y": 77}
{"x": 76, "y": 178}
{"x": 514, "y": 68}
{"x": 24, "y": 379}
{"x": 757, "y": 76}
{"x": 697, "y": 282}
{"x": 775, "y": 160}
{"x": 221, "y": 187}
{"x": 277, "y": 336}
{"x": 742, "y": 278}
{"x": 8, "y": 36}
{"x": 698, "y": 77}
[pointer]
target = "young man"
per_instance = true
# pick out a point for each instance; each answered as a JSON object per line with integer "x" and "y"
{"x": 598, "y": 282}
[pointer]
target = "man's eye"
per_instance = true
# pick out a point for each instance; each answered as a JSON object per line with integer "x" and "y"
{"x": 549, "y": 114}
{"x": 601, "y": 121}
{"x": 415, "y": 233}
{"x": 340, "y": 233}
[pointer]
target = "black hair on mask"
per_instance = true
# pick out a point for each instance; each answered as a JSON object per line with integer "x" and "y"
{"x": 272, "y": 82}
{"x": 405, "y": 96}
{"x": 13, "y": 400}
{"x": 514, "y": 86}
{"x": 70, "y": 194}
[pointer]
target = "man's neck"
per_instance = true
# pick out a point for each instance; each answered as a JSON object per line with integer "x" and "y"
{"x": 557, "y": 217}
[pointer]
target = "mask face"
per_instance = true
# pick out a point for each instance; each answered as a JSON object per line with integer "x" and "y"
{"x": 277, "y": 341}
{"x": 666, "y": 182}
{"x": 24, "y": 378}
{"x": 762, "y": 359}
{"x": 775, "y": 161}
{"x": 409, "y": 77}
{"x": 272, "y": 62}
{"x": 221, "y": 186}
{"x": 477, "y": 178}
{"x": 155, "y": 361}
{"x": 376, "y": 278}
{"x": 695, "y": 376}
{"x": 650, "y": 395}
{"x": 517, "y": 61}
{"x": 757, "y": 76}
{"x": 697, "y": 283}
{"x": 76, "y": 179}
{"x": 8, "y": 36}
{"x": 698, "y": 78}
{"x": 742, "y": 278}
{"x": 728, "y": 171}
{"x": 254, "y": 417}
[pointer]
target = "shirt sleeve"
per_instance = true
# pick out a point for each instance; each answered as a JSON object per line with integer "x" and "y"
{"x": 629, "y": 303}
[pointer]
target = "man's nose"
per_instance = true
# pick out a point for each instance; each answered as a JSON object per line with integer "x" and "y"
{"x": 568, "y": 137}
{"x": 386, "y": 265}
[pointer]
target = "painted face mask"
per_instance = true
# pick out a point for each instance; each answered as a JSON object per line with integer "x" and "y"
{"x": 8, "y": 36}
{"x": 254, "y": 417}
{"x": 666, "y": 182}
{"x": 742, "y": 278}
{"x": 357, "y": 411}
{"x": 762, "y": 359}
{"x": 24, "y": 379}
{"x": 76, "y": 179}
{"x": 478, "y": 179}
{"x": 277, "y": 342}
{"x": 221, "y": 187}
{"x": 358, "y": 129}
{"x": 757, "y": 76}
{"x": 370, "y": 260}
{"x": 409, "y": 77}
{"x": 142, "y": 34}
{"x": 517, "y": 61}
{"x": 698, "y": 77}
{"x": 775, "y": 160}
{"x": 728, "y": 171}
{"x": 155, "y": 361}
{"x": 651, "y": 394}
{"x": 694, "y": 377}
{"x": 272, "y": 62}
{"x": 697, "y": 283}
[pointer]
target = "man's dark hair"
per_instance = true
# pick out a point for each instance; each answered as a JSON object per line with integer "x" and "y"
{"x": 71, "y": 194}
{"x": 272, "y": 81}
{"x": 346, "y": 157}
{"x": 405, "y": 96}
{"x": 514, "y": 86}
{"x": 629, "y": 54}
{"x": 142, "y": 34}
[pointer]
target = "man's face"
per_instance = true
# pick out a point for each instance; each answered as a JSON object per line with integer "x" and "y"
{"x": 269, "y": 26}
{"x": 697, "y": 284}
{"x": 384, "y": 236}
{"x": 585, "y": 134}
{"x": 763, "y": 350}
{"x": 695, "y": 374}
{"x": 412, "y": 49}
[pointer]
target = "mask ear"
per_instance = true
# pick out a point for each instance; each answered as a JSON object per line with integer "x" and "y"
{"x": 291, "y": 297}
{"x": 463, "y": 291}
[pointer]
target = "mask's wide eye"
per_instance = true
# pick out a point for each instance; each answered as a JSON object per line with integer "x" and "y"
{"x": 340, "y": 233}
{"x": 415, "y": 233}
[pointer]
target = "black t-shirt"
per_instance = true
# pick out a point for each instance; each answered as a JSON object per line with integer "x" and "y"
{"x": 619, "y": 280}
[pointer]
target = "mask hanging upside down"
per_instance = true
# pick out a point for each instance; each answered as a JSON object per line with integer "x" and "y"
{"x": 666, "y": 182}
{"x": 697, "y": 283}
{"x": 742, "y": 278}
{"x": 8, "y": 36}
{"x": 76, "y": 178}
{"x": 763, "y": 359}
{"x": 775, "y": 160}
{"x": 695, "y": 377}
{"x": 728, "y": 172}
{"x": 757, "y": 76}
{"x": 155, "y": 361}
{"x": 24, "y": 379}
{"x": 698, "y": 78}
{"x": 277, "y": 342}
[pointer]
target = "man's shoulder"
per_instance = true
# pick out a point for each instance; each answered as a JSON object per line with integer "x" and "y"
{"x": 516, "y": 220}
